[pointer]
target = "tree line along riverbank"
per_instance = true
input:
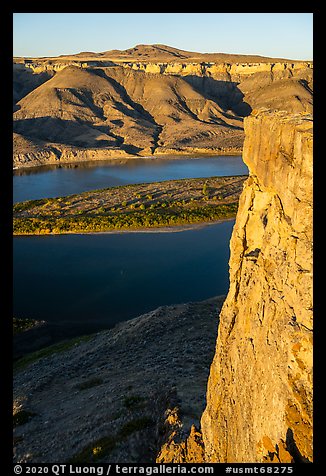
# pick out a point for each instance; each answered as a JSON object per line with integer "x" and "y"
{"x": 131, "y": 207}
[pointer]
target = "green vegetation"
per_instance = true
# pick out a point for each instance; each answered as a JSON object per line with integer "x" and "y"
{"x": 133, "y": 402}
{"x": 179, "y": 202}
{"x": 17, "y": 440}
{"x": 22, "y": 417}
{"x": 20, "y": 325}
{"x": 137, "y": 424}
{"x": 205, "y": 191}
{"x": 93, "y": 382}
{"x": 102, "y": 448}
{"x": 28, "y": 359}
{"x": 94, "y": 451}
{"x": 122, "y": 221}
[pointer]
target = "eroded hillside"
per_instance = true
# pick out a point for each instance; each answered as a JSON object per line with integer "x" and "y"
{"x": 144, "y": 102}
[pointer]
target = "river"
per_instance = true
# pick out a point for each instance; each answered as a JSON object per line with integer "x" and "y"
{"x": 108, "y": 278}
{"x": 52, "y": 181}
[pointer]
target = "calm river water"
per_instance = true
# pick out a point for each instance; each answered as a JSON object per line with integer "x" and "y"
{"x": 114, "y": 277}
{"x": 107, "y": 278}
{"x": 51, "y": 181}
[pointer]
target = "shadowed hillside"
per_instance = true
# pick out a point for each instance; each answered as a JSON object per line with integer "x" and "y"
{"x": 80, "y": 110}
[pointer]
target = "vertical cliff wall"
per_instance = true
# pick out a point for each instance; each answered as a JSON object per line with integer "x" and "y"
{"x": 259, "y": 398}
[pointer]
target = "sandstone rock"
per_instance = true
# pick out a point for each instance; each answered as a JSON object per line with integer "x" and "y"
{"x": 187, "y": 450}
{"x": 259, "y": 398}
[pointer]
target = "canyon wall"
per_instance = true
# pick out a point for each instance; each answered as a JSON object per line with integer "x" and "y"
{"x": 224, "y": 71}
{"x": 217, "y": 70}
{"x": 259, "y": 397}
{"x": 65, "y": 108}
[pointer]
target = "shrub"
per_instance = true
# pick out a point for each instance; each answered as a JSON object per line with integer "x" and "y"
{"x": 22, "y": 417}
{"x": 204, "y": 190}
{"x": 133, "y": 402}
{"x": 93, "y": 382}
{"x": 135, "y": 425}
{"x": 20, "y": 325}
{"x": 95, "y": 451}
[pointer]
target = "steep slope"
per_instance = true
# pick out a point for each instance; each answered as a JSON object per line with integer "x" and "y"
{"x": 119, "y": 391}
{"x": 114, "y": 107}
{"x": 25, "y": 81}
{"x": 184, "y": 115}
{"x": 79, "y": 107}
{"x": 259, "y": 398}
{"x": 148, "y": 100}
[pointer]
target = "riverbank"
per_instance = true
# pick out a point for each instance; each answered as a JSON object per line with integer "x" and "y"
{"x": 45, "y": 158}
{"x": 116, "y": 396}
{"x": 132, "y": 207}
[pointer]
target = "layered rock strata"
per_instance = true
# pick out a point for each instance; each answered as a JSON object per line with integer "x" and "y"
{"x": 145, "y": 102}
{"x": 259, "y": 397}
{"x": 230, "y": 71}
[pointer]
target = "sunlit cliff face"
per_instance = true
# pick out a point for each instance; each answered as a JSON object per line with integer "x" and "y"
{"x": 259, "y": 399}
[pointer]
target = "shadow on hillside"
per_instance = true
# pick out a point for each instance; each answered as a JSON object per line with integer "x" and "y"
{"x": 72, "y": 133}
{"x": 137, "y": 109}
{"x": 26, "y": 80}
{"x": 61, "y": 131}
{"x": 225, "y": 94}
{"x": 51, "y": 333}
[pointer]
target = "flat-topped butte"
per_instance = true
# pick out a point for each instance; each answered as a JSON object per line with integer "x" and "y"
{"x": 131, "y": 207}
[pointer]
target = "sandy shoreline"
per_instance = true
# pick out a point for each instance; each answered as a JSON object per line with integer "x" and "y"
{"x": 163, "y": 229}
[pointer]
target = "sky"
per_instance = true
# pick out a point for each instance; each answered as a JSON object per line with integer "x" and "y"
{"x": 282, "y": 35}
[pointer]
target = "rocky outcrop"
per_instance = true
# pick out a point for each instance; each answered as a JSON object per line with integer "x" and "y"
{"x": 229, "y": 71}
{"x": 259, "y": 397}
{"x": 189, "y": 449}
{"x": 41, "y": 66}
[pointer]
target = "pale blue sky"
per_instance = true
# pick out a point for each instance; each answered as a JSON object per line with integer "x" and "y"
{"x": 283, "y": 35}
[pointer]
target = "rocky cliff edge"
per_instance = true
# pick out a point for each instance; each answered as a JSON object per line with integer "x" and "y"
{"x": 259, "y": 398}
